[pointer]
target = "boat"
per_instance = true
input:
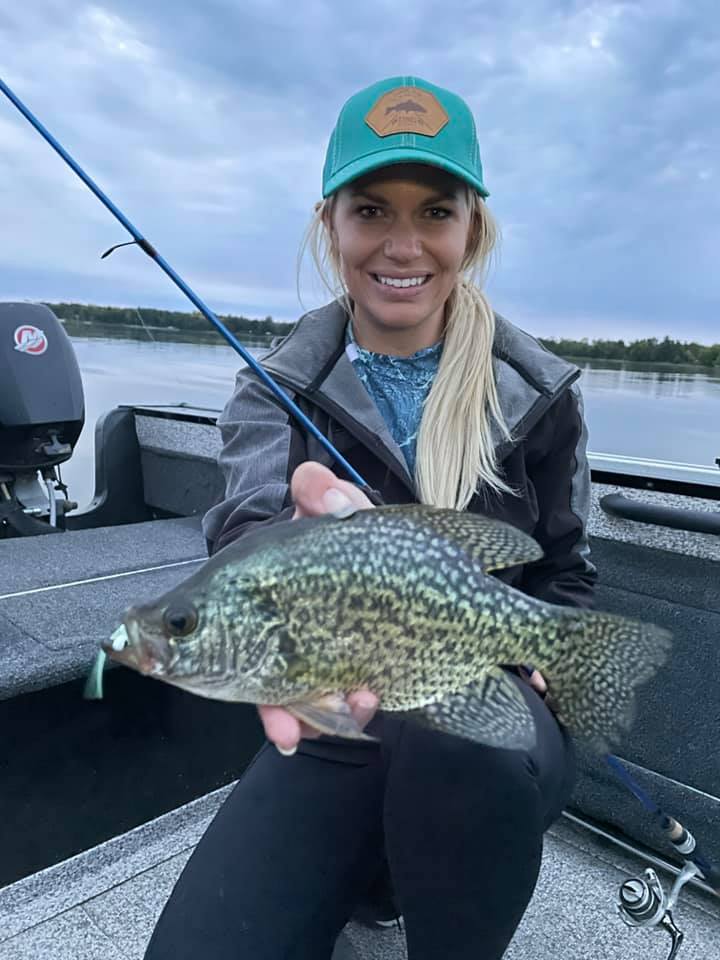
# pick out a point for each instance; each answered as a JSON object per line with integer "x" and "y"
{"x": 103, "y": 801}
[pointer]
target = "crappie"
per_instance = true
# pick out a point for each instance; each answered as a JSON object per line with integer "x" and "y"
{"x": 397, "y": 599}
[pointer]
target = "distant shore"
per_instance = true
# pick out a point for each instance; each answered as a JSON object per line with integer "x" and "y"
{"x": 168, "y": 324}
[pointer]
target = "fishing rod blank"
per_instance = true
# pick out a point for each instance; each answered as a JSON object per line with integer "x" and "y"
{"x": 148, "y": 248}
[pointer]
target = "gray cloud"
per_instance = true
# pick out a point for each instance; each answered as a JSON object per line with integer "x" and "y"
{"x": 208, "y": 124}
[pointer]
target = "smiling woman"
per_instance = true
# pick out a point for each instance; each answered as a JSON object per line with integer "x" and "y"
{"x": 435, "y": 399}
{"x": 397, "y": 241}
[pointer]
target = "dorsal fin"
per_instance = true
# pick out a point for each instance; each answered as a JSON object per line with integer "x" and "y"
{"x": 492, "y": 543}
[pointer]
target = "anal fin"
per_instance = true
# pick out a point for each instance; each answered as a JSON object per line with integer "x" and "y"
{"x": 491, "y": 711}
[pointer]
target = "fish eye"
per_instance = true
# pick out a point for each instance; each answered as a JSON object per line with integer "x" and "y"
{"x": 179, "y": 621}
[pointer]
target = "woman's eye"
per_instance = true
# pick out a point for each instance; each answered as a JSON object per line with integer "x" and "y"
{"x": 369, "y": 213}
{"x": 439, "y": 213}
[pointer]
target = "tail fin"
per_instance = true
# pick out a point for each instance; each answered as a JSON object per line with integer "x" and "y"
{"x": 593, "y": 667}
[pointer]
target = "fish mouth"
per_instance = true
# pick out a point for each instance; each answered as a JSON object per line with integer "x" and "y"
{"x": 148, "y": 655}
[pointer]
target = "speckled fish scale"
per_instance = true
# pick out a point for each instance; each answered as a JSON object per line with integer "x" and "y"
{"x": 400, "y": 600}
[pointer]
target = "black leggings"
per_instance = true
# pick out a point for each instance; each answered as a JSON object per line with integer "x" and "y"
{"x": 301, "y": 839}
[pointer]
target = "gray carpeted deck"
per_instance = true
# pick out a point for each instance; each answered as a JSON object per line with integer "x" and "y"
{"x": 102, "y": 904}
{"x": 61, "y": 596}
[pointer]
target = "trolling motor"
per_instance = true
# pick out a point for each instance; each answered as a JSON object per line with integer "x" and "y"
{"x": 42, "y": 412}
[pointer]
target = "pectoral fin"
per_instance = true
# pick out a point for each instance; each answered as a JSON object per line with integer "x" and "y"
{"x": 491, "y": 711}
{"x": 329, "y": 714}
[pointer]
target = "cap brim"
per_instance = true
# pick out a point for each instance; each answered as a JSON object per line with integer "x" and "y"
{"x": 387, "y": 158}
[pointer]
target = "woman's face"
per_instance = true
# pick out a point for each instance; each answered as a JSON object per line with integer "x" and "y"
{"x": 401, "y": 235}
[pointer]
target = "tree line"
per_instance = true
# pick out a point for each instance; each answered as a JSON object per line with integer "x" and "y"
{"x": 649, "y": 350}
{"x": 165, "y": 319}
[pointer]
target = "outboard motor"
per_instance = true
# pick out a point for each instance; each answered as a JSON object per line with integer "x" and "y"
{"x": 42, "y": 412}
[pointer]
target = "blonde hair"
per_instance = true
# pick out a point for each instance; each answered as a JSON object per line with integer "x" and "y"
{"x": 455, "y": 450}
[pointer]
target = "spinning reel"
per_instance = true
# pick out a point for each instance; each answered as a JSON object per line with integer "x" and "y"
{"x": 643, "y": 903}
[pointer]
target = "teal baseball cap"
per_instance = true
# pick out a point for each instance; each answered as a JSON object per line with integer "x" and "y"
{"x": 403, "y": 120}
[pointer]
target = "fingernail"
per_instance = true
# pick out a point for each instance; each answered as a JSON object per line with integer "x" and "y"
{"x": 286, "y": 753}
{"x": 334, "y": 500}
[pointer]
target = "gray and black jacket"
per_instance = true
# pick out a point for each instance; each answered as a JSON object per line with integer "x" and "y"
{"x": 544, "y": 461}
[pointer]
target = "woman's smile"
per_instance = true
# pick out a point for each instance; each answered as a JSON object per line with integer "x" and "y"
{"x": 398, "y": 287}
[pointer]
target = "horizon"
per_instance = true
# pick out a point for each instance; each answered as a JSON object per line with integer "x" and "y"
{"x": 592, "y": 123}
{"x": 580, "y": 339}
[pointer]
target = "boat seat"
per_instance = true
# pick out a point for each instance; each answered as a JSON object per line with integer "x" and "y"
{"x": 186, "y": 449}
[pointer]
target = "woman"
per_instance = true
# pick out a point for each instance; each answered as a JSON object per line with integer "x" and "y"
{"x": 432, "y": 398}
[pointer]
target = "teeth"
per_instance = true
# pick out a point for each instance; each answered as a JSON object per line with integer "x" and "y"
{"x": 407, "y": 282}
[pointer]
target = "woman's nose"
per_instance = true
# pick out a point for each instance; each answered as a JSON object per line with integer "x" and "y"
{"x": 402, "y": 243}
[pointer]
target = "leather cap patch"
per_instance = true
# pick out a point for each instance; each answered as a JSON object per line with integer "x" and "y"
{"x": 407, "y": 110}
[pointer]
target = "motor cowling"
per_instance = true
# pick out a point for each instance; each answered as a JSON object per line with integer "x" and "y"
{"x": 42, "y": 412}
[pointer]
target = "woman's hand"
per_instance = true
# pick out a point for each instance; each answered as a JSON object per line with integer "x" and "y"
{"x": 315, "y": 491}
{"x": 286, "y": 731}
{"x": 537, "y": 682}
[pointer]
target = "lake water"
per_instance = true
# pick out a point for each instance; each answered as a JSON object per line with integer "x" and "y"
{"x": 670, "y": 414}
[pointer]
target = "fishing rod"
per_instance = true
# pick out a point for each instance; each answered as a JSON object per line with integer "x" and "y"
{"x": 150, "y": 250}
{"x": 642, "y": 901}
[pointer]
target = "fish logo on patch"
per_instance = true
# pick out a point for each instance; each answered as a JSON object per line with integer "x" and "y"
{"x": 407, "y": 110}
{"x": 407, "y": 105}
{"x": 30, "y": 340}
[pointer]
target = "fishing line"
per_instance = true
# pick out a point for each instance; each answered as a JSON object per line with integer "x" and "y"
{"x": 142, "y": 324}
{"x": 104, "y": 577}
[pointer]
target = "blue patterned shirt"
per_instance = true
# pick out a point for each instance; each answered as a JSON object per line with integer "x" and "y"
{"x": 399, "y": 386}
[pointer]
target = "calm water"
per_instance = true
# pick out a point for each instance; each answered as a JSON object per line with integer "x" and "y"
{"x": 670, "y": 414}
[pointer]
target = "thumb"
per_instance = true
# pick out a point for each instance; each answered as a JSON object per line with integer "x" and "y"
{"x": 313, "y": 482}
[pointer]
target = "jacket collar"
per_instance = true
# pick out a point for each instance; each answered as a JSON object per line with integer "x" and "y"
{"x": 312, "y": 361}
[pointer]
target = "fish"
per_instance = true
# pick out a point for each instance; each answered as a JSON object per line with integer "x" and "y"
{"x": 407, "y": 106}
{"x": 401, "y": 600}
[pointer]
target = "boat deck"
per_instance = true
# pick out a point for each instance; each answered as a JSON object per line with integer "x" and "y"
{"x": 103, "y": 903}
{"x": 62, "y": 595}
{"x": 102, "y": 803}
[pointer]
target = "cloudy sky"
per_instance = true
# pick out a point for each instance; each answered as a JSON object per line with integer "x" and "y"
{"x": 207, "y": 124}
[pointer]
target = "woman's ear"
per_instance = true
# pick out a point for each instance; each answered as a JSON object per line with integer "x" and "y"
{"x": 331, "y": 232}
{"x": 326, "y": 212}
{"x": 325, "y": 209}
